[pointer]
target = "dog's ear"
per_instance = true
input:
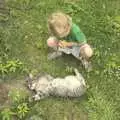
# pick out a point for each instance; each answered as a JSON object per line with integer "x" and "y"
{"x": 29, "y": 79}
{"x": 49, "y": 77}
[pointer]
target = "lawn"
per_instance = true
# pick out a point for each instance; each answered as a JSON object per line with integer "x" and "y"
{"x": 24, "y": 34}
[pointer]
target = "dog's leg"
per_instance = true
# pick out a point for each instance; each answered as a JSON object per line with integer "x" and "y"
{"x": 36, "y": 97}
{"x": 79, "y": 76}
{"x": 39, "y": 96}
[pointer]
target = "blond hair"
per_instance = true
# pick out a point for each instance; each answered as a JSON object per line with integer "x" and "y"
{"x": 59, "y": 24}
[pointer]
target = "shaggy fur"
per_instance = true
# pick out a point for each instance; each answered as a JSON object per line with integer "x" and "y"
{"x": 70, "y": 86}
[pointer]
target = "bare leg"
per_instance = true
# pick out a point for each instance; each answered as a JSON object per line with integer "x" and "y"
{"x": 53, "y": 43}
{"x": 85, "y": 53}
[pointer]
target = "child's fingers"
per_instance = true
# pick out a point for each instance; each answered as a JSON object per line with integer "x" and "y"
{"x": 65, "y": 44}
{"x": 60, "y": 44}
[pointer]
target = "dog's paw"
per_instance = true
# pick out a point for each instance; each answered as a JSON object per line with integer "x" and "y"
{"x": 36, "y": 97}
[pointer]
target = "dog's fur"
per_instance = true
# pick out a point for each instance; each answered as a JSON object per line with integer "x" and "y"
{"x": 70, "y": 86}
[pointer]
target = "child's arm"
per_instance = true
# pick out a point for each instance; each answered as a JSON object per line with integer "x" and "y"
{"x": 67, "y": 44}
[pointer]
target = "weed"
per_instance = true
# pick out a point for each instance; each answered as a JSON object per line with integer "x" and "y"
{"x": 12, "y": 66}
{"x": 17, "y": 96}
{"x": 22, "y": 110}
{"x": 6, "y": 114}
{"x": 69, "y": 69}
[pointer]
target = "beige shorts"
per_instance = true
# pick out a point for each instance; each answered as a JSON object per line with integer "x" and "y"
{"x": 78, "y": 50}
{"x": 75, "y": 51}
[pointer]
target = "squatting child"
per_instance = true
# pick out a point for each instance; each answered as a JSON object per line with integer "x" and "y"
{"x": 66, "y": 37}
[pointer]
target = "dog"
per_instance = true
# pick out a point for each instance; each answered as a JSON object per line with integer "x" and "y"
{"x": 46, "y": 85}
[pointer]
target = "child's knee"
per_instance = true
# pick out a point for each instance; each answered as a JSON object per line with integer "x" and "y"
{"x": 86, "y": 51}
{"x": 52, "y": 42}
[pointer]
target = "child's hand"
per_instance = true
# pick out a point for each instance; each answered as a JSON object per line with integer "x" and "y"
{"x": 64, "y": 44}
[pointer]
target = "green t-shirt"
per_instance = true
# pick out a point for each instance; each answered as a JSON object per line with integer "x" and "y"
{"x": 75, "y": 35}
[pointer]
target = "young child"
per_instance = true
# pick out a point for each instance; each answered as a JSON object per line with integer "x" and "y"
{"x": 66, "y": 37}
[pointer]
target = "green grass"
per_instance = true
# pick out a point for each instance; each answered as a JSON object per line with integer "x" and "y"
{"x": 25, "y": 33}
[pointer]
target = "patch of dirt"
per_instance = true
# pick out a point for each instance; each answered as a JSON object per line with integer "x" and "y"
{"x": 5, "y": 88}
{"x": 3, "y": 93}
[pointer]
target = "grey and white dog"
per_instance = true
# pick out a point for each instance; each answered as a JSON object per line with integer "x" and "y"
{"x": 70, "y": 86}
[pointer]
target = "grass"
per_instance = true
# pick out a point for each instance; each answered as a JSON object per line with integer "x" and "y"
{"x": 25, "y": 33}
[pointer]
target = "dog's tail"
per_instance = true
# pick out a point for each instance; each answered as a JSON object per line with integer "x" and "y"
{"x": 80, "y": 77}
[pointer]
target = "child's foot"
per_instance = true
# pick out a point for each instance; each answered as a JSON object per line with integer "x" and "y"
{"x": 54, "y": 55}
{"x": 87, "y": 65}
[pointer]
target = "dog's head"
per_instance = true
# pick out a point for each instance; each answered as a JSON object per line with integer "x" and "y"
{"x": 30, "y": 82}
{"x": 39, "y": 83}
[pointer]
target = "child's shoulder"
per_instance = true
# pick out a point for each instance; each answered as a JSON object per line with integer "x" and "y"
{"x": 75, "y": 25}
{"x": 75, "y": 28}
